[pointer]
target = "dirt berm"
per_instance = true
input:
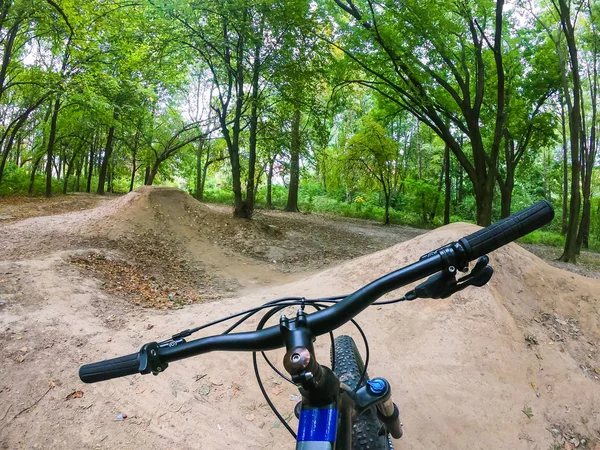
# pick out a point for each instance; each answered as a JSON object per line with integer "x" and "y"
{"x": 512, "y": 365}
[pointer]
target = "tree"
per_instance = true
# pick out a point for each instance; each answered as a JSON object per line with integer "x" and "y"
{"x": 432, "y": 59}
{"x": 372, "y": 149}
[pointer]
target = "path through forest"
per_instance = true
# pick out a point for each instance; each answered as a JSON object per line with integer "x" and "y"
{"x": 86, "y": 285}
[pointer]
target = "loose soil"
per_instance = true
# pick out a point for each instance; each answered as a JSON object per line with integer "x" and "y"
{"x": 81, "y": 286}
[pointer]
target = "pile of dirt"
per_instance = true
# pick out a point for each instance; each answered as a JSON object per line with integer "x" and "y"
{"x": 286, "y": 242}
{"x": 475, "y": 365}
{"x": 19, "y": 207}
{"x": 148, "y": 208}
{"x": 162, "y": 248}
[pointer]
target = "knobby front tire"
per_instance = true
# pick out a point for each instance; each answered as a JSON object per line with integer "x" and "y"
{"x": 367, "y": 431}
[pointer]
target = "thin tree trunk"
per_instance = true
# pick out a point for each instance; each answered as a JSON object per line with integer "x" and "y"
{"x": 589, "y": 157}
{"x": 565, "y": 199}
{"x": 19, "y": 143}
{"x": 269, "y": 204}
{"x": 207, "y": 162}
{"x": 386, "y": 219}
{"x": 292, "y": 201}
{"x": 250, "y": 184}
{"x": 107, "y": 153}
{"x": 36, "y": 163}
{"x": 51, "y": 142}
{"x": 459, "y": 193}
{"x": 439, "y": 189}
{"x": 575, "y": 131}
{"x": 110, "y": 175}
{"x": 199, "y": 153}
{"x": 91, "y": 164}
{"x": 133, "y": 171}
{"x": 447, "y": 186}
{"x": 80, "y": 164}
{"x": 68, "y": 172}
{"x": 151, "y": 173}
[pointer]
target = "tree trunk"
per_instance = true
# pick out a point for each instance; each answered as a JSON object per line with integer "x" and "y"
{"x": 133, "y": 171}
{"x": 565, "y": 199}
{"x": 484, "y": 196}
{"x": 250, "y": 185}
{"x": 80, "y": 164}
{"x": 3, "y": 159}
{"x": 110, "y": 175}
{"x": 36, "y": 163}
{"x": 59, "y": 167}
{"x": 589, "y": 157}
{"x": 459, "y": 193}
{"x": 88, "y": 187}
{"x": 51, "y": 142}
{"x": 19, "y": 144}
{"x": 107, "y": 153}
{"x": 575, "y": 131}
{"x": 204, "y": 174}
{"x": 386, "y": 218}
{"x": 506, "y": 191}
{"x": 292, "y": 201}
{"x": 199, "y": 153}
{"x": 269, "y": 204}
{"x": 584, "y": 228}
{"x": 439, "y": 189}
{"x": 151, "y": 173}
{"x": 506, "y": 201}
{"x": 68, "y": 172}
{"x": 447, "y": 186}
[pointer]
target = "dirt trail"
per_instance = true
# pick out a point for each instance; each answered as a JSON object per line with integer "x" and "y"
{"x": 461, "y": 368}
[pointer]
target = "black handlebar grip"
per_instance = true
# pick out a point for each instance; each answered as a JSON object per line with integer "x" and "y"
{"x": 507, "y": 230}
{"x": 111, "y": 368}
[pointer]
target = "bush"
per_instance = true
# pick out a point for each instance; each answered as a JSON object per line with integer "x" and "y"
{"x": 218, "y": 194}
{"x": 15, "y": 181}
{"x": 544, "y": 238}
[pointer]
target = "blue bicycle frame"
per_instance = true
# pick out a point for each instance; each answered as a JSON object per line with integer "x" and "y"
{"x": 317, "y": 429}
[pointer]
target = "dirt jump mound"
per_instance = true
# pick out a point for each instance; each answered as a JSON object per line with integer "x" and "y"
{"x": 147, "y": 208}
{"x": 515, "y": 364}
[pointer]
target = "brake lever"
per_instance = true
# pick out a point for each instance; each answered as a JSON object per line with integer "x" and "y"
{"x": 444, "y": 284}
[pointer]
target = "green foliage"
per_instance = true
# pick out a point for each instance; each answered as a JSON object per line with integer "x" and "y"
{"x": 16, "y": 182}
{"x": 545, "y": 238}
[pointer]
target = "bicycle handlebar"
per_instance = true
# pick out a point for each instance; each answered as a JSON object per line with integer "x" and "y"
{"x": 111, "y": 368}
{"x": 507, "y": 230}
{"x": 457, "y": 254}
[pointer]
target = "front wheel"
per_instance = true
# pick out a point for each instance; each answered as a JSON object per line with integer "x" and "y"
{"x": 368, "y": 433}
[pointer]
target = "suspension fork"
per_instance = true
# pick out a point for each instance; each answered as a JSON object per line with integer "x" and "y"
{"x": 328, "y": 408}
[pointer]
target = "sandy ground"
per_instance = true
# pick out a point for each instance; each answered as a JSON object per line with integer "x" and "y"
{"x": 94, "y": 284}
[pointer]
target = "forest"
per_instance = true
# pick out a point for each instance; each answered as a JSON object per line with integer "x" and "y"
{"x": 419, "y": 112}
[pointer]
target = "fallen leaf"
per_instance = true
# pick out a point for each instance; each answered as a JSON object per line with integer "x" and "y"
{"x": 527, "y": 411}
{"x": 597, "y": 370}
{"x": 74, "y": 394}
